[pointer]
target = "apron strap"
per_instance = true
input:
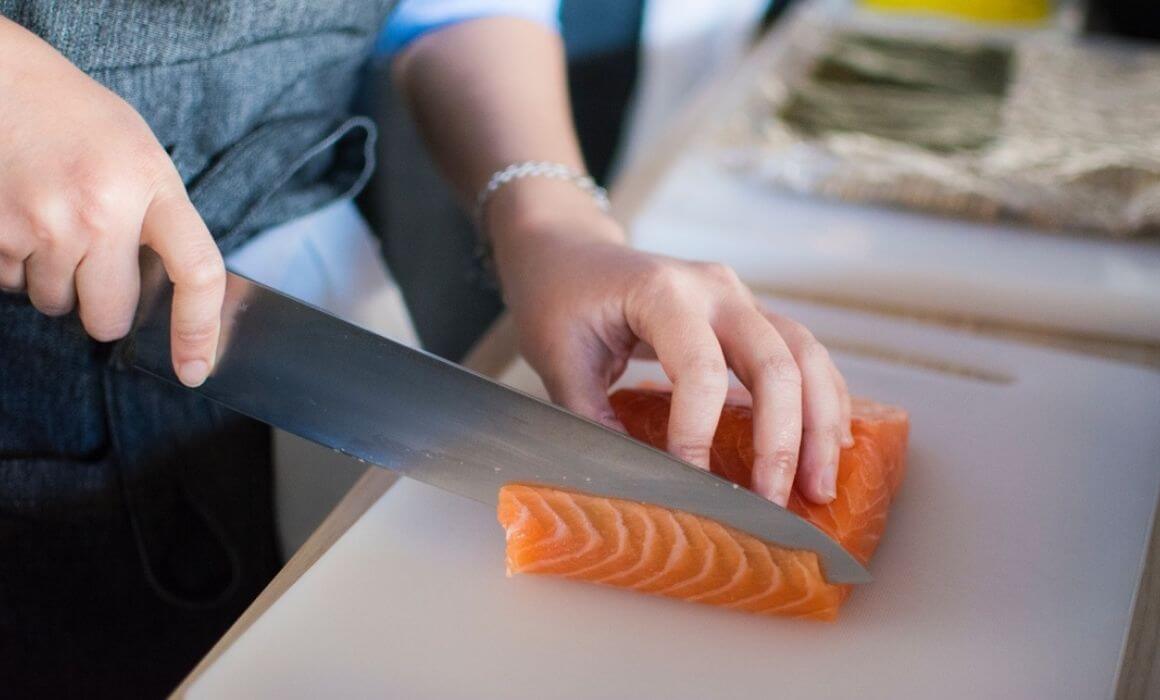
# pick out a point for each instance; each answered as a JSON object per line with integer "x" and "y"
{"x": 274, "y": 154}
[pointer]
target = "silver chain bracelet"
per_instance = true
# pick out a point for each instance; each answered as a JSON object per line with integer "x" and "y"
{"x": 519, "y": 171}
{"x": 537, "y": 168}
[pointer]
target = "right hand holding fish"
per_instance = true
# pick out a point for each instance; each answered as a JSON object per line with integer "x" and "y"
{"x": 83, "y": 184}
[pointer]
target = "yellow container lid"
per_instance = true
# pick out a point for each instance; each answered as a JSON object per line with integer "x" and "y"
{"x": 1007, "y": 11}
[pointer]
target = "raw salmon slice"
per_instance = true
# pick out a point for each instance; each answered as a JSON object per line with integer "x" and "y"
{"x": 667, "y": 552}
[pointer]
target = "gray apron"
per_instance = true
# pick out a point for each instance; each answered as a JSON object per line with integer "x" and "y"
{"x": 136, "y": 520}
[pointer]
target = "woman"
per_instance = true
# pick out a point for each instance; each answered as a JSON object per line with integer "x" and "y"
{"x": 135, "y": 519}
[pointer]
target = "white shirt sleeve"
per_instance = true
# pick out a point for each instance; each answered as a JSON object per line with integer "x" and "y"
{"x": 414, "y": 18}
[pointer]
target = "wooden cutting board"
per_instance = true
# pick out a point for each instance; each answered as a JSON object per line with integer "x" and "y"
{"x": 1007, "y": 570}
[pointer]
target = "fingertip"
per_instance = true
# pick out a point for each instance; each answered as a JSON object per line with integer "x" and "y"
{"x": 694, "y": 415}
{"x": 609, "y": 420}
{"x": 780, "y": 497}
{"x": 773, "y": 480}
{"x": 818, "y": 474}
{"x": 103, "y": 325}
{"x": 107, "y": 334}
{"x": 825, "y": 489}
{"x": 193, "y": 373}
{"x": 606, "y": 418}
{"x": 586, "y": 398}
{"x": 816, "y": 491}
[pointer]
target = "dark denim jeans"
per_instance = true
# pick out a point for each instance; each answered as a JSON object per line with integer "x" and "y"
{"x": 136, "y": 520}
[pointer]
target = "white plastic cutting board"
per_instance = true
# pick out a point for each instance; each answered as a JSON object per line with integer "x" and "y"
{"x": 1007, "y": 570}
{"x": 833, "y": 250}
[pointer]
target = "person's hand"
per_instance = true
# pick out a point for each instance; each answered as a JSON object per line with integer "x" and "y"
{"x": 83, "y": 184}
{"x": 584, "y": 302}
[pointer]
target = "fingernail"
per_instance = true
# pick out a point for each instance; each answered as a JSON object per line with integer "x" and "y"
{"x": 193, "y": 372}
{"x": 783, "y": 482}
{"x": 830, "y": 484}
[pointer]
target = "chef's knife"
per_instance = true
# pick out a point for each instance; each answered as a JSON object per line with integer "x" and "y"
{"x": 307, "y": 372}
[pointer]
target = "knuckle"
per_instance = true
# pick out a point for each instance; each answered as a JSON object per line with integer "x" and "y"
{"x": 155, "y": 164}
{"x": 784, "y": 460}
{"x": 814, "y": 352}
{"x": 721, "y": 273}
{"x": 705, "y": 371}
{"x": 831, "y": 429}
{"x": 192, "y": 333}
{"x": 789, "y": 326}
{"x": 97, "y": 206}
{"x": 779, "y": 369}
{"x": 689, "y": 448}
{"x": 142, "y": 151}
{"x": 160, "y": 172}
{"x": 205, "y": 270}
{"x": 92, "y": 223}
{"x": 46, "y": 219}
{"x": 9, "y": 244}
{"x": 663, "y": 280}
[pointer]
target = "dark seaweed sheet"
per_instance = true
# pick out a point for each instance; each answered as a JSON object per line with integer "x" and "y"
{"x": 940, "y": 98}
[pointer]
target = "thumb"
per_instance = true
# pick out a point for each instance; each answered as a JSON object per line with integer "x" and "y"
{"x": 581, "y": 386}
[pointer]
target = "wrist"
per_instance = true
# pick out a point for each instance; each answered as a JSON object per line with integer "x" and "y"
{"x": 538, "y": 207}
{"x": 540, "y": 224}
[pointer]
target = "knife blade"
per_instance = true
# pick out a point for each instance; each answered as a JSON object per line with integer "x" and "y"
{"x": 298, "y": 368}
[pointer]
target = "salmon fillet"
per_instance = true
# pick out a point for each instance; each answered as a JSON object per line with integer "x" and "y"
{"x": 657, "y": 550}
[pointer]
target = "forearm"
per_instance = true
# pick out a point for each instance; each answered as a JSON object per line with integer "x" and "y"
{"x": 488, "y": 93}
